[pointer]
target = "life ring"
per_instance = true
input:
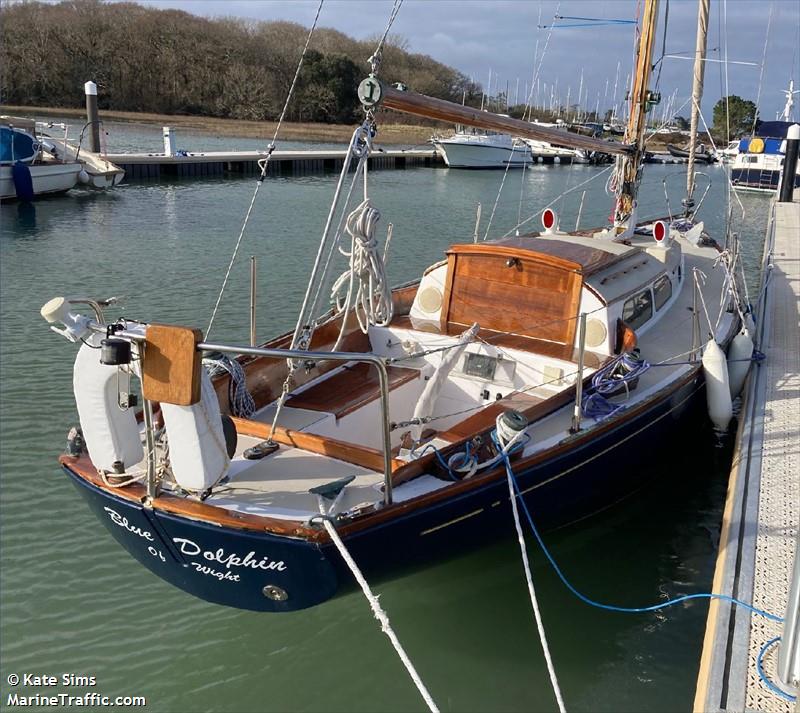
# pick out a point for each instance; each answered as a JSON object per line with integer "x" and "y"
{"x": 756, "y": 145}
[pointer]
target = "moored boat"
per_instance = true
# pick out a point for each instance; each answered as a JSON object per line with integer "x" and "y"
{"x": 476, "y": 148}
{"x": 390, "y": 418}
{"x": 26, "y": 169}
{"x": 759, "y": 162}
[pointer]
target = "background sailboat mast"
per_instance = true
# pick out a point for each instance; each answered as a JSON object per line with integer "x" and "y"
{"x": 697, "y": 92}
{"x": 629, "y": 169}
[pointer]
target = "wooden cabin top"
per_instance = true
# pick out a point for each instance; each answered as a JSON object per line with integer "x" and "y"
{"x": 527, "y": 285}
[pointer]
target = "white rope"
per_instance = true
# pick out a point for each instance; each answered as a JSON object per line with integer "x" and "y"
{"x": 377, "y": 610}
{"x": 263, "y": 165}
{"x": 529, "y": 578}
{"x": 372, "y": 301}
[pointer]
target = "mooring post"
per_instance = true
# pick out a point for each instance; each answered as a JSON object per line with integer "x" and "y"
{"x": 789, "y": 164}
{"x": 92, "y": 116}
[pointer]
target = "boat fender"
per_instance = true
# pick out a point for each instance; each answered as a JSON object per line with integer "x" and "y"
{"x": 740, "y": 353}
{"x": 197, "y": 447}
{"x": 23, "y": 182}
{"x": 718, "y": 393}
{"x": 83, "y": 176}
{"x": 111, "y": 433}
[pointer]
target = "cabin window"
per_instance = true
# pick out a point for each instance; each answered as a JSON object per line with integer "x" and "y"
{"x": 751, "y": 159}
{"x": 638, "y": 309}
{"x": 662, "y": 291}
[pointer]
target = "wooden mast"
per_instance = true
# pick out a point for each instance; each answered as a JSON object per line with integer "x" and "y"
{"x": 640, "y": 101}
{"x": 373, "y": 93}
{"x": 697, "y": 93}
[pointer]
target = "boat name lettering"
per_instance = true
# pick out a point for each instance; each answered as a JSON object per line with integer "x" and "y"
{"x": 204, "y": 569}
{"x": 250, "y": 560}
{"x": 122, "y": 521}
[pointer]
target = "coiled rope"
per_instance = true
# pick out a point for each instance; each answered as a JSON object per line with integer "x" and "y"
{"x": 241, "y": 400}
{"x": 622, "y": 374}
{"x": 372, "y": 301}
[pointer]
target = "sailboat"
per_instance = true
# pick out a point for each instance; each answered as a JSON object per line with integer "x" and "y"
{"x": 574, "y": 355}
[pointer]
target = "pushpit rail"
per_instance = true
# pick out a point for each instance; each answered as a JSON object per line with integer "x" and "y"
{"x": 304, "y": 356}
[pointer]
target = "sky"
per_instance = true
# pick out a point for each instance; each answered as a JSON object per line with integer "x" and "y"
{"x": 498, "y": 39}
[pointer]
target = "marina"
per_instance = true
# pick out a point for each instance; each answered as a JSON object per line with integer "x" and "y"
{"x": 757, "y": 560}
{"x": 263, "y": 475}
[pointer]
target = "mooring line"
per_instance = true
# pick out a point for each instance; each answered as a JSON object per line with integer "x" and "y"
{"x": 379, "y": 613}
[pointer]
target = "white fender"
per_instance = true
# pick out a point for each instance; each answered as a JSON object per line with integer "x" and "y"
{"x": 197, "y": 451}
{"x": 718, "y": 393}
{"x": 739, "y": 354}
{"x": 111, "y": 433}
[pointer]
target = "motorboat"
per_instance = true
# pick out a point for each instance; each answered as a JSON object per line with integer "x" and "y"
{"x": 26, "y": 168}
{"x": 469, "y": 147}
{"x": 34, "y": 162}
{"x": 759, "y": 163}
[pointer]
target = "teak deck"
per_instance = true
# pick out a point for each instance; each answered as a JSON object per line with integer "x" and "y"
{"x": 353, "y": 387}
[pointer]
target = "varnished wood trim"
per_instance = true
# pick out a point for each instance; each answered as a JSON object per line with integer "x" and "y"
{"x": 499, "y": 250}
{"x": 313, "y": 443}
{"x": 192, "y": 509}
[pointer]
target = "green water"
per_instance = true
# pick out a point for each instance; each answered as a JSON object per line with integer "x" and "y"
{"x": 74, "y": 602}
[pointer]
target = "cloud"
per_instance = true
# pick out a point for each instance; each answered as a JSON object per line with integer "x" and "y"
{"x": 475, "y": 36}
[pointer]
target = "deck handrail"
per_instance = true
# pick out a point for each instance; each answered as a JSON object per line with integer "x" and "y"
{"x": 376, "y": 361}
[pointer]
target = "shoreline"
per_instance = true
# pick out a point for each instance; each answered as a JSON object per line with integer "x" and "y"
{"x": 389, "y": 134}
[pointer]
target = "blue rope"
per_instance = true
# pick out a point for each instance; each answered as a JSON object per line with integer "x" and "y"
{"x": 611, "y": 607}
{"x": 763, "y": 676}
{"x": 622, "y": 372}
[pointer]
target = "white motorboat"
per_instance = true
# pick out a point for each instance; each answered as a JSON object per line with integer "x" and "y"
{"x": 33, "y": 163}
{"x": 25, "y": 169}
{"x": 470, "y": 147}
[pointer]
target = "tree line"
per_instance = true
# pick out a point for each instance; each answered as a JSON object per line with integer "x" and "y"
{"x": 171, "y": 62}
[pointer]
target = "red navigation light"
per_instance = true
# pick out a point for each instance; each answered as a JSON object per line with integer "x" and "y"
{"x": 660, "y": 231}
{"x": 549, "y": 219}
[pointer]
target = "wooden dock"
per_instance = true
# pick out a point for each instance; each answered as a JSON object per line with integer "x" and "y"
{"x": 283, "y": 163}
{"x": 762, "y": 511}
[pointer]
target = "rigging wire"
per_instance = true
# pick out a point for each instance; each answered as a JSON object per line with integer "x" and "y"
{"x": 263, "y": 163}
{"x": 556, "y": 199}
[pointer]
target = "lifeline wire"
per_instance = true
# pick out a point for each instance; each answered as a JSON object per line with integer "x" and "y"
{"x": 263, "y": 163}
{"x": 625, "y": 610}
{"x": 377, "y": 610}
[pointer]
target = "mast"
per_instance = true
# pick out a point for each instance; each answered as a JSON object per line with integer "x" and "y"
{"x": 697, "y": 93}
{"x": 629, "y": 167}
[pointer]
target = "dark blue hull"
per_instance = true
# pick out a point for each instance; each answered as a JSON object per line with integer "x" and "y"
{"x": 235, "y": 567}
